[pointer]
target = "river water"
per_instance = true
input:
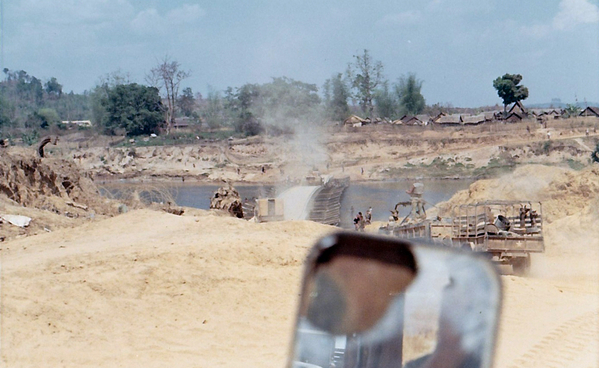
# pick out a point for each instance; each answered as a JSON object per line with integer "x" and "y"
{"x": 381, "y": 196}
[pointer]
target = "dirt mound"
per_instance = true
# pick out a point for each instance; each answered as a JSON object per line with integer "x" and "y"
{"x": 48, "y": 189}
{"x": 563, "y": 192}
{"x": 149, "y": 289}
{"x": 574, "y": 193}
{"x": 228, "y": 199}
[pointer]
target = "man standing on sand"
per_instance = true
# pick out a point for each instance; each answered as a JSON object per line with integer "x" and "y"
{"x": 359, "y": 222}
{"x": 369, "y": 215}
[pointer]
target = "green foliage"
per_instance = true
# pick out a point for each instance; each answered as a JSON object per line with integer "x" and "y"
{"x": 98, "y": 111}
{"x": 187, "y": 102}
{"x": 100, "y": 93}
{"x": 495, "y": 167}
{"x": 24, "y": 87}
{"x": 575, "y": 164}
{"x": 595, "y": 154}
{"x": 167, "y": 76}
{"x": 47, "y": 117}
{"x": 135, "y": 108}
{"x": 212, "y": 111}
{"x": 336, "y": 94}
{"x": 547, "y": 146}
{"x": 30, "y": 137}
{"x": 5, "y": 108}
{"x": 278, "y": 105}
{"x": 53, "y": 88}
{"x": 365, "y": 75}
{"x": 285, "y": 102}
{"x": 411, "y": 101}
{"x": 571, "y": 111}
{"x": 180, "y": 138}
{"x": 509, "y": 90}
{"x": 242, "y": 104}
{"x": 386, "y": 104}
{"x": 24, "y": 97}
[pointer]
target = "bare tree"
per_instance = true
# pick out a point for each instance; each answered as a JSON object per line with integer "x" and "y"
{"x": 167, "y": 77}
{"x": 365, "y": 75}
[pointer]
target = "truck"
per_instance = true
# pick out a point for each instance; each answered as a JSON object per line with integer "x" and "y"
{"x": 508, "y": 231}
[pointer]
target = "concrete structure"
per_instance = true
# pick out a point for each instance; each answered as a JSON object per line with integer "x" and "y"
{"x": 82, "y": 123}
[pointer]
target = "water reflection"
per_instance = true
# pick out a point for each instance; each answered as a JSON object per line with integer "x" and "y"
{"x": 381, "y": 196}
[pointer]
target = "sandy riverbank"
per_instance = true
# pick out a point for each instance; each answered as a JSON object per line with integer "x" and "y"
{"x": 152, "y": 289}
{"x": 376, "y": 152}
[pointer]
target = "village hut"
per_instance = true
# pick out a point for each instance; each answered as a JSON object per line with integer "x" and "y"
{"x": 410, "y": 120}
{"x": 491, "y": 115}
{"x": 354, "y": 120}
{"x": 425, "y": 119}
{"x": 519, "y": 109}
{"x": 590, "y": 111}
{"x": 514, "y": 117}
{"x": 436, "y": 118}
{"x": 450, "y": 120}
{"x": 473, "y": 119}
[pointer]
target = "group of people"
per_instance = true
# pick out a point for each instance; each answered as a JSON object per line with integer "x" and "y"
{"x": 524, "y": 212}
{"x": 360, "y": 221}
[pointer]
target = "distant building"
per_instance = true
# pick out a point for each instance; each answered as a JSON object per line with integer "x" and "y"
{"x": 453, "y": 119}
{"x": 514, "y": 117}
{"x": 590, "y": 111}
{"x": 82, "y": 123}
{"x": 519, "y": 109}
{"x": 410, "y": 120}
{"x": 425, "y": 119}
{"x": 354, "y": 121}
{"x": 473, "y": 119}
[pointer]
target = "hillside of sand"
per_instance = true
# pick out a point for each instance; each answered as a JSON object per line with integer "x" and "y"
{"x": 151, "y": 289}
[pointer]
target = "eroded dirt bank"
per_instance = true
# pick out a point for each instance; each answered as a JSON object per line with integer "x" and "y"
{"x": 376, "y": 152}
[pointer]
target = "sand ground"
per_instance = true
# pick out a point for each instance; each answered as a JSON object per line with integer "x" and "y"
{"x": 152, "y": 289}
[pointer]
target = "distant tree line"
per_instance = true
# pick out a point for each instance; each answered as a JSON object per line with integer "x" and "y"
{"x": 28, "y": 103}
{"x": 116, "y": 105}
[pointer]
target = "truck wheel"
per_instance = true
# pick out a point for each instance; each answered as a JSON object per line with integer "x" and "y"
{"x": 521, "y": 265}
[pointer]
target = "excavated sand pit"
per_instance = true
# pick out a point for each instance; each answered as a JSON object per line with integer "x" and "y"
{"x": 151, "y": 289}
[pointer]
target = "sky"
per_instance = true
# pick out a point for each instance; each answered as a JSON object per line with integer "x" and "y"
{"x": 456, "y": 47}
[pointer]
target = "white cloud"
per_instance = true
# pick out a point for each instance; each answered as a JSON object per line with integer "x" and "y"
{"x": 149, "y": 21}
{"x": 571, "y": 13}
{"x": 185, "y": 14}
{"x": 574, "y": 12}
{"x": 407, "y": 17}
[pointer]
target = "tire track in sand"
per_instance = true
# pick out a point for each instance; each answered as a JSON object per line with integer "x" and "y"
{"x": 575, "y": 343}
